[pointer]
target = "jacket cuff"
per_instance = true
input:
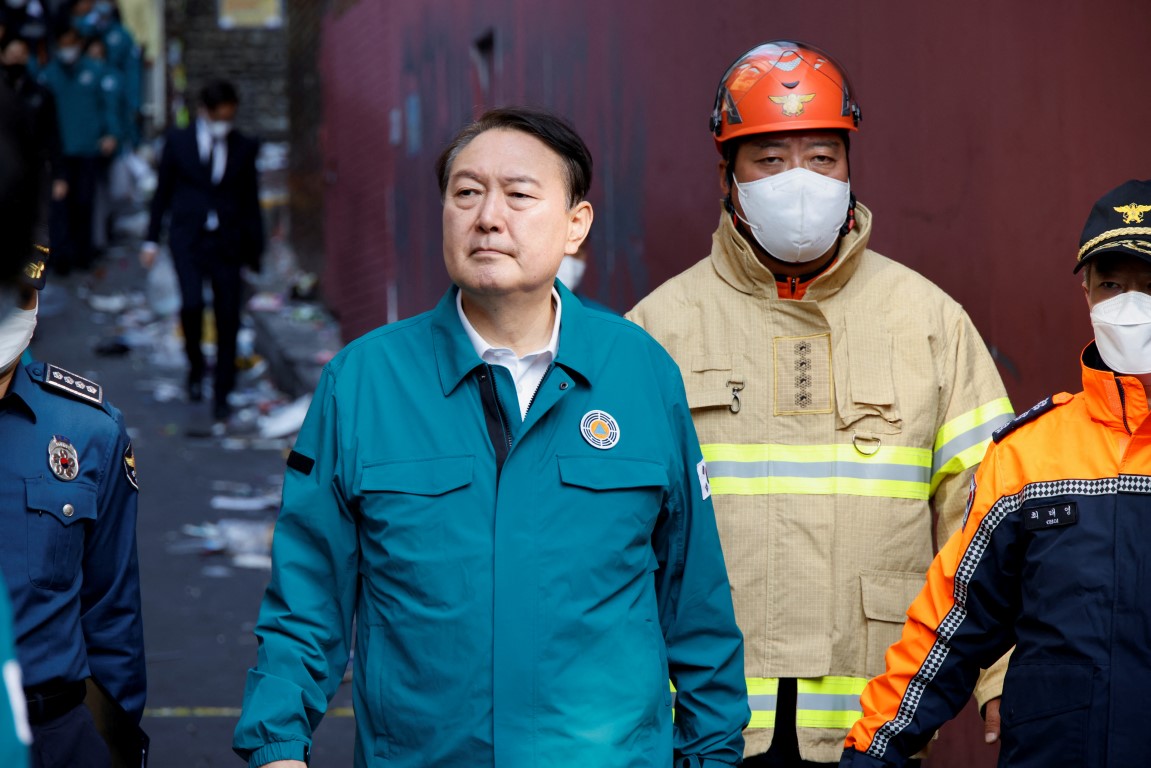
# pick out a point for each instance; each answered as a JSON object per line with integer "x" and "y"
{"x": 990, "y": 683}
{"x": 853, "y": 759}
{"x": 278, "y": 750}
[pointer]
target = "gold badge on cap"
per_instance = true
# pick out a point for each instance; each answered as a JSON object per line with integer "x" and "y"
{"x": 1132, "y": 212}
{"x": 62, "y": 458}
{"x": 793, "y": 103}
{"x": 599, "y": 429}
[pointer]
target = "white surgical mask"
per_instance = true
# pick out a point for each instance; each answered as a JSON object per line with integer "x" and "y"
{"x": 1123, "y": 332}
{"x": 15, "y": 332}
{"x": 795, "y": 215}
{"x": 219, "y": 129}
{"x": 571, "y": 272}
{"x": 68, "y": 54}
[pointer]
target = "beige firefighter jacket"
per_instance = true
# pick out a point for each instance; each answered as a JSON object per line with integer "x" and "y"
{"x": 841, "y": 432}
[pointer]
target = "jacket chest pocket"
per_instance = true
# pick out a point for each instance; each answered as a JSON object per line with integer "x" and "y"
{"x": 713, "y": 383}
{"x": 59, "y": 515}
{"x": 865, "y": 397}
{"x": 404, "y": 506}
{"x": 613, "y": 489}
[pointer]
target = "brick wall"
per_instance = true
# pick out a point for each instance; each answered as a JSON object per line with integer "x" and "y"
{"x": 254, "y": 59}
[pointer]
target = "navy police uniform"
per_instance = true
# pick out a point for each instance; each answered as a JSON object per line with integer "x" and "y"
{"x": 68, "y": 555}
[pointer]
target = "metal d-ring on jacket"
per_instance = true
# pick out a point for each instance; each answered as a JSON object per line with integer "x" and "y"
{"x": 523, "y": 590}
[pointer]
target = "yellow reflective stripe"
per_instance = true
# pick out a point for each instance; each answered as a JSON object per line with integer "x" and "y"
{"x": 959, "y": 462}
{"x": 759, "y": 486}
{"x": 900, "y": 472}
{"x": 887, "y": 454}
{"x": 828, "y": 702}
{"x": 971, "y": 420}
{"x": 761, "y": 697}
{"x": 961, "y": 442}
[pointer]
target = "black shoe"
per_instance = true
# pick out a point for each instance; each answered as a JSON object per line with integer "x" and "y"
{"x": 221, "y": 411}
{"x": 195, "y": 391}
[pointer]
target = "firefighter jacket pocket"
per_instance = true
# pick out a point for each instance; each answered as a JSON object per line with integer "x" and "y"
{"x": 1046, "y": 704}
{"x": 712, "y": 383}
{"x": 886, "y": 598}
{"x": 56, "y": 513}
{"x": 865, "y": 399}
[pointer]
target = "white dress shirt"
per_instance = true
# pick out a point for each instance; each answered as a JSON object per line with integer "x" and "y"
{"x": 527, "y": 371}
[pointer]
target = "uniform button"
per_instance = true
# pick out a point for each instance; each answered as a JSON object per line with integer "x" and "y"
{"x": 69, "y": 510}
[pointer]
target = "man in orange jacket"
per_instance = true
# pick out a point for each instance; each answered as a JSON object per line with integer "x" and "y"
{"x": 1053, "y": 554}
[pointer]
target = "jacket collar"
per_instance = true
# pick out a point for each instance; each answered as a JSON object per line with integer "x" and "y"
{"x": 23, "y": 388}
{"x": 737, "y": 264}
{"x": 456, "y": 357}
{"x": 1105, "y": 404}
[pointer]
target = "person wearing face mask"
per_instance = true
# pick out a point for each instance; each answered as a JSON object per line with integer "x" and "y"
{"x": 842, "y": 400}
{"x": 68, "y": 549}
{"x": 207, "y": 184}
{"x": 88, "y": 123}
{"x": 1052, "y": 556}
{"x": 571, "y": 273}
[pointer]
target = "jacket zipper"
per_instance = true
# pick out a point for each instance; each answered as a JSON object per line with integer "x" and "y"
{"x": 794, "y": 283}
{"x": 1122, "y": 403}
{"x": 539, "y": 386}
{"x": 500, "y": 407}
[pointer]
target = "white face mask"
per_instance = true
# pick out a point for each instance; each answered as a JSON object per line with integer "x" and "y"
{"x": 69, "y": 54}
{"x": 1123, "y": 332}
{"x": 571, "y": 272}
{"x": 219, "y": 129}
{"x": 795, "y": 215}
{"x": 15, "y": 332}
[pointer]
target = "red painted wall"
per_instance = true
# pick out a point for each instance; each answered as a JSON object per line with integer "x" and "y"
{"x": 989, "y": 129}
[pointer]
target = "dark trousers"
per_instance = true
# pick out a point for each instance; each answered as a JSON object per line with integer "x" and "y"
{"x": 70, "y": 219}
{"x": 205, "y": 262}
{"x": 69, "y": 741}
{"x": 784, "y": 751}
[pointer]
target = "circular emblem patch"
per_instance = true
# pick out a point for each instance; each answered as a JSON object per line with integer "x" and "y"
{"x": 599, "y": 429}
{"x": 62, "y": 458}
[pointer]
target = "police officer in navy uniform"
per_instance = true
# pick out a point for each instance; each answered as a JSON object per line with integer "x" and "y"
{"x": 67, "y": 545}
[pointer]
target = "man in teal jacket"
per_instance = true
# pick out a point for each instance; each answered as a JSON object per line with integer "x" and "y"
{"x": 508, "y": 496}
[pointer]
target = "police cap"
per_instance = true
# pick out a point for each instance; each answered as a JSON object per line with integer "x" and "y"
{"x": 1119, "y": 223}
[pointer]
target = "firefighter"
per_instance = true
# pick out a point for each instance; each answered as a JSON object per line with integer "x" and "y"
{"x": 842, "y": 400}
{"x": 1052, "y": 555}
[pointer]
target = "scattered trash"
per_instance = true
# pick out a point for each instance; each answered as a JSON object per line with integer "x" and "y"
{"x": 245, "y": 503}
{"x": 287, "y": 420}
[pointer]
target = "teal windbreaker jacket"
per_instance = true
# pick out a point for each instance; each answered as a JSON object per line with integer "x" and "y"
{"x": 521, "y": 596}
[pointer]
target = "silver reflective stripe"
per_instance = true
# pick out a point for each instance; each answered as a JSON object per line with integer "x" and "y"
{"x": 828, "y": 702}
{"x": 762, "y": 702}
{"x": 820, "y": 469}
{"x": 961, "y": 443}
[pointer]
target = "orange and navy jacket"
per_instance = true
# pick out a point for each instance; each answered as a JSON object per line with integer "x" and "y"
{"x": 1054, "y": 557}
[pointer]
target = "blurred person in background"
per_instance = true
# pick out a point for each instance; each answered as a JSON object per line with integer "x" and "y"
{"x": 89, "y": 125}
{"x": 207, "y": 193}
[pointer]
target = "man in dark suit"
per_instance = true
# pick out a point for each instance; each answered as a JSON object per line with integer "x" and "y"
{"x": 208, "y": 183}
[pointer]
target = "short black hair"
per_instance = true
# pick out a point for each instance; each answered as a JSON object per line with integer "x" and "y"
{"x": 549, "y": 128}
{"x": 218, "y": 92}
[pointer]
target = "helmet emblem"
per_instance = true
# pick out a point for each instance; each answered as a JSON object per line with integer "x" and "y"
{"x": 1132, "y": 212}
{"x": 793, "y": 103}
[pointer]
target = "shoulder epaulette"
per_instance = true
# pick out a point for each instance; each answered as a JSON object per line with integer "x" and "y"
{"x": 1031, "y": 414}
{"x": 77, "y": 386}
